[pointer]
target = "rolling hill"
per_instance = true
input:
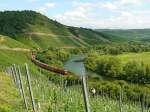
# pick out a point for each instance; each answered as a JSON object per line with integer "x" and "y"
{"x": 126, "y": 35}
{"x": 37, "y": 30}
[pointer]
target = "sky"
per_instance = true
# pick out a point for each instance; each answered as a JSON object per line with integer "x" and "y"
{"x": 96, "y": 14}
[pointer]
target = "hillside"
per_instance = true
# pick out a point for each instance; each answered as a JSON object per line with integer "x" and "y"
{"x": 37, "y": 30}
{"x": 126, "y": 35}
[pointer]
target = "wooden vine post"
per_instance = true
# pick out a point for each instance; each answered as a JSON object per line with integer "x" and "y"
{"x": 120, "y": 100}
{"x": 22, "y": 87}
{"x": 13, "y": 75}
{"x": 17, "y": 79}
{"x": 30, "y": 88}
{"x": 85, "y": 94}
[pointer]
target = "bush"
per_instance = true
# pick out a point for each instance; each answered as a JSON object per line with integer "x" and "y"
{"x": 109, "y": 67}
{"x": 137, "y": 72}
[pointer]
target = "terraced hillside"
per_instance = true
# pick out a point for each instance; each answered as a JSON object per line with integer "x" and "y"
{"x": 36, "y": 30}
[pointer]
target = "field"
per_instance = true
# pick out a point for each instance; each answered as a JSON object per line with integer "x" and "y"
{"x": 140, "y": 57}
{"x": 126, "y": 57}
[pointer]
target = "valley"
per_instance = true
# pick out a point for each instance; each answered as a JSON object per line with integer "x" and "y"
{"x": 116, "y": 61}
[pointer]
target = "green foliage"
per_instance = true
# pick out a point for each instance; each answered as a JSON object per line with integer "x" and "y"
{"x": 121, "y": 66}
{"x": 91, "y": 61}
{"x": 137, "y": 72}
{"x": 55, "y": 57}
{"x": 119, "y": 48}
{"x": 109, "y": 67}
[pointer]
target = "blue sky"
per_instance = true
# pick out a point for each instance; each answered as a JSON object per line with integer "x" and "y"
{"x": 125, "y": 14}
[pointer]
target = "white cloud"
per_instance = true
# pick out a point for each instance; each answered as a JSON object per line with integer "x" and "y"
{"x": 33, "y": 0}
{"x": 124, "y": 13}
{"x": 120, "y": 15}
{"x": 49, "y": 5}
{"x": 74, "y": 17}
{"x": 140, "y": 21}
{"x": 131, "y": 2}
{"x": 109, "y": 5}
{"x": 46, "y": 6}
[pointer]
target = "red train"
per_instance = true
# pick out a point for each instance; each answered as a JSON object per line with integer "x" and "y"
{"x": 48, "y": 67}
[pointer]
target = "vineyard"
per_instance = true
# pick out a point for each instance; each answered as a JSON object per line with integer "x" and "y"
{"x": 59, "y": 97}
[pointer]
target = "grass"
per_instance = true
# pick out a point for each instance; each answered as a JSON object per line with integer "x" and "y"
{"x": 141, "y": 57}
{"x": 126, "y": 57}
{"x": 8, "y": 58}
{"x": 10, "y": 100}
{"x": 7, "y": 42}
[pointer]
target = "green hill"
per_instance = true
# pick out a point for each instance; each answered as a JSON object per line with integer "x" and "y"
{"x": 126, "y": 35}
{"x": 36, "y": 30}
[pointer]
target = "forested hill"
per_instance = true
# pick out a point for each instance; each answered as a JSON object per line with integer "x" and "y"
{"x": 37, "y": 30}
{"x": 126, "y": 35}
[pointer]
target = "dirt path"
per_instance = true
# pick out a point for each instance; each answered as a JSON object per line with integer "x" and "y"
{"x": 16, "y": 49}
{"x": 47, "y": 34}
{"x": 1, "y": 39}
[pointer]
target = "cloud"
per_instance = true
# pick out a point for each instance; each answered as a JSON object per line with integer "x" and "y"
{"x": 78, "y": 16}
{"x": 109, "y": 5}
{"x": 131, "y": 2}
{"x": 46, "y": 6}
{"x": 120, "y": 14}
{"x": 124, "y": 13}
{"x": 49, "y": 5}
{"x": 33, "y": 0}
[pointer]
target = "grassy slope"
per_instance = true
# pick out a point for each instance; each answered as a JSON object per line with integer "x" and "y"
{"x": 7, "y": 42}
{"x": 9, "y": 98}
{"x": 8, "y": 58}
